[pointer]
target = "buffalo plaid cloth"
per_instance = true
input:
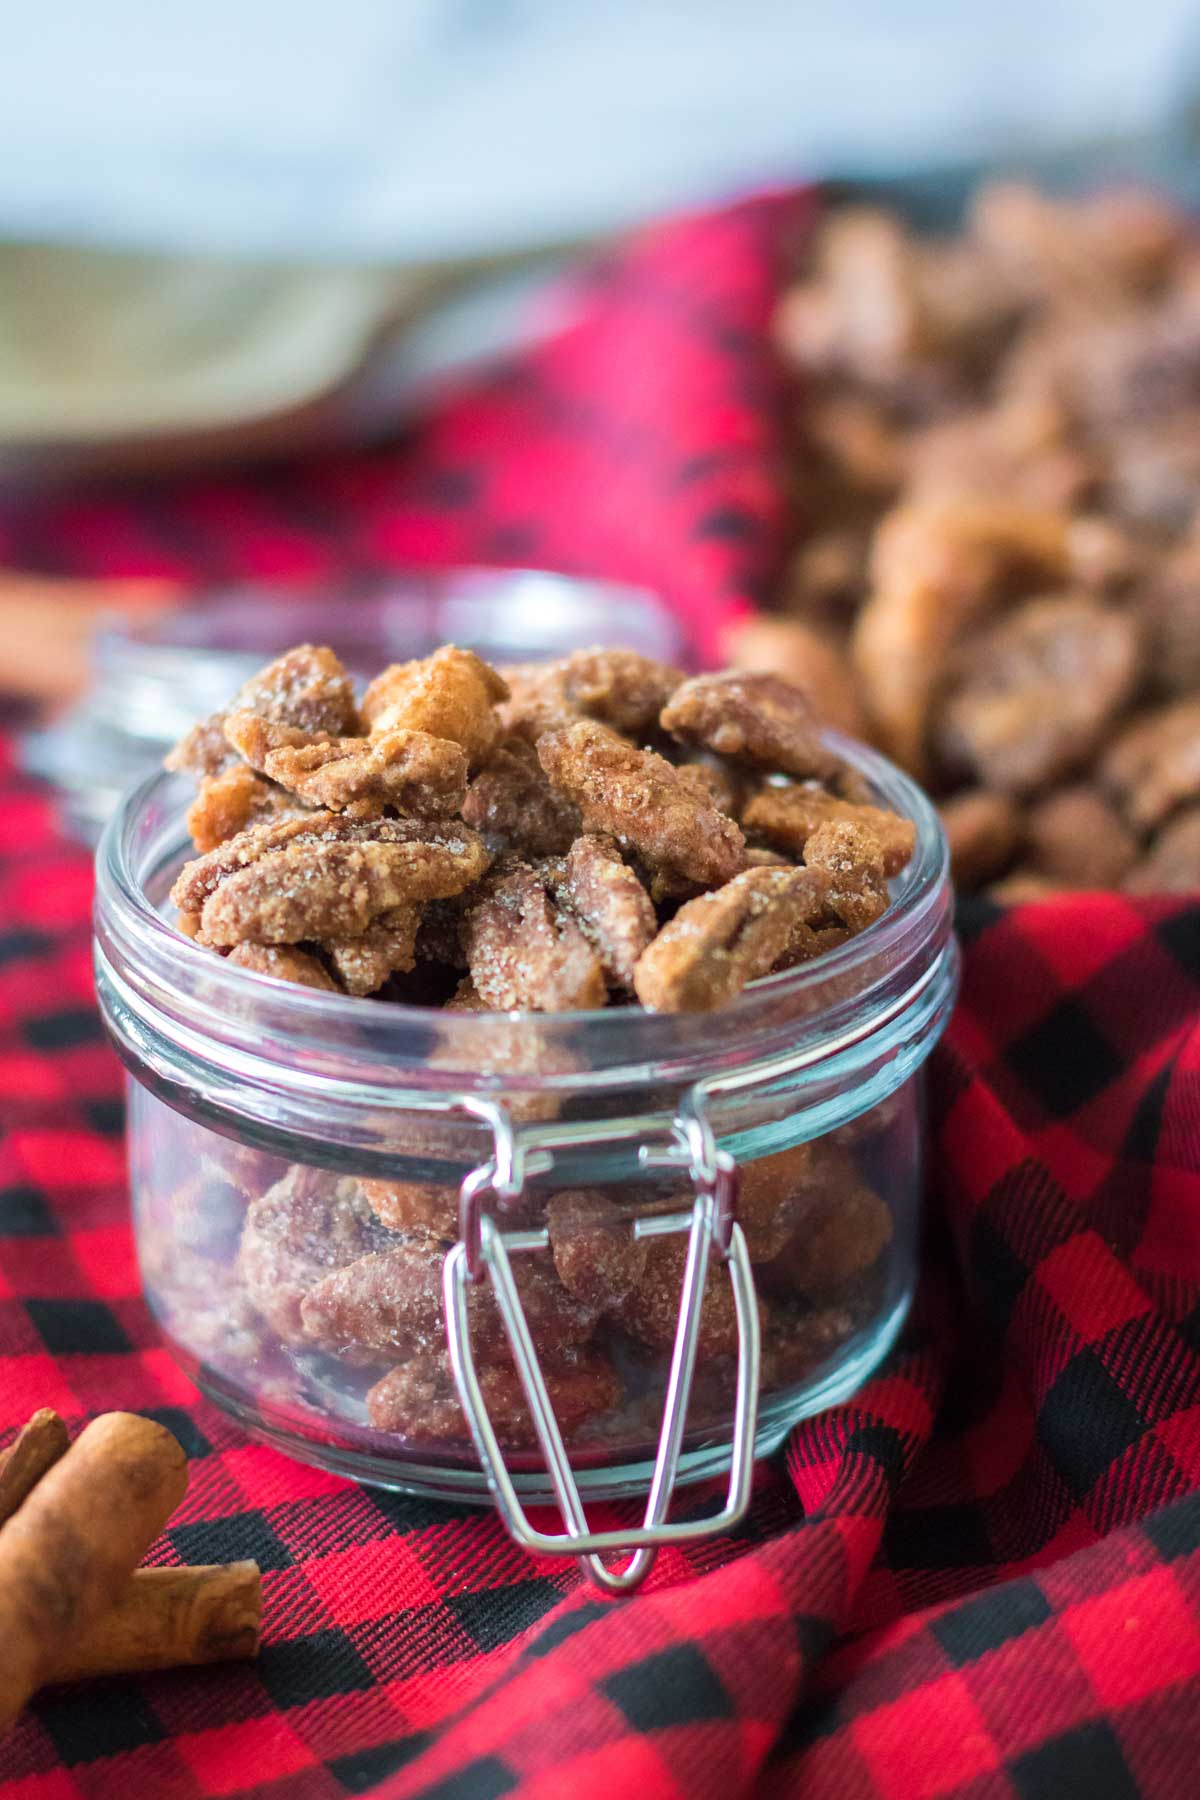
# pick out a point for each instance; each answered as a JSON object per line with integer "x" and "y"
{"x": 981, "y": 1577}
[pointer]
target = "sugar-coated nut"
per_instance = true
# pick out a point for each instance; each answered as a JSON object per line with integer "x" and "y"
{"x": 807, "y": 659}
{"x": 1172, "y": 863}
{"x": 840, "y": 1229}
{"x": 983, "y": 831}
{"x": 437, "y": 849}
{"x": 387, "y": 947}
{"x": 328, "y": 889}
{"x": 451, "y": 694}
{"x": 651, "y": 1312}
{"x": 1154, "y": 765}
{"x": 1035, "y": 694}
{"x": 751, "y": 718}
{"x": 513, "y": 806}
{"x": 1076, "y": 836}
{"x": 414, "y": 1205}
{"x": 389, "y": 1302}
{"x": 715, "y": 781}
{"x": 787, "y": 817}
{"x": 770, "y": 1190}
{"x": 608, "y": 902}
{"x": 284, "y": 962}
{"x": 620, "y": 688}
{"x": 419, "y": 1400}
{"x": 410, "y": 770}
{"x": 524, "y": 951}
{"x": 935, "y": 567}
{"x": 306, "y": 687}
{"x": 851, "y": 854}
{"x": 719, "y": 942}
{"x": 596, "y": 1254}
{"x": 231, "y": 802}
{"x": 636, "y": 797}
{"x": 295, "y": 1234}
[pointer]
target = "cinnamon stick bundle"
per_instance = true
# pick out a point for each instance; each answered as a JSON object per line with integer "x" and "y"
{"x": 68, "y": 1552}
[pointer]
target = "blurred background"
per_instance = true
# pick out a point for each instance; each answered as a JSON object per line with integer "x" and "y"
{"x": 245, "y": 230}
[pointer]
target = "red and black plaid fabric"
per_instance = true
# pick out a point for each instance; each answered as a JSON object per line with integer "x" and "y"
{"x": 980, "y": 1578}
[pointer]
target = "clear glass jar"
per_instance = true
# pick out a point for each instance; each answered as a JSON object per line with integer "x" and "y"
{"x": 297, "y": 1159}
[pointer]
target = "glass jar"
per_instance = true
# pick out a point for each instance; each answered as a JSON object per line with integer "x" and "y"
{"x": 691, "y": 1230}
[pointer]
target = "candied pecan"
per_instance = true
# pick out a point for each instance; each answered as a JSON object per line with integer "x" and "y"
{"x": 408, "y": 770}
{"x": 203, "y": 750}
{"x": 232, "y": 801}
{"x": 1093, "y": 252}
{"x": 1034, "y": 696}
{"x": 1154, "y": 766}
{"x": 451, "y": 694}
{"x": 637, "y": 797}
{"x": 718, "y": 942}
{"x": 328, "y": 890}
{"x": 204, "y": 874}
{"x": 612, "y": 908}
{"x": 408, "y": 1205}
{"x": 285, "y": 963}
{"x": 936, "y": 567}
{"x": 788, "y": 816}
{"x": 1172, "y": 863}
{"x": 306, "y": 687}
{"x": 983, "y": 831}
{"x": 651, "y": 1312}
{"x": 751, "y": 718}
{"x": 842, "y": 1229}
{"x": 419, "y": 1399}
{"x": 596, "y": 1254}
{"x": 1075, "y": 837}
{"x": 512, "y": 804}
{"x": 712, "y": 782}
{"x": 523, "y": 951}
{"x": 863, "y": 314}
{"x": 389, "y": 1302}
{"x": 769, "y": 1190}
{"x": 852, "y": 856}
{"x": 1020, "y": 448}
{"x": 1171, "y": 606}
{"x": 295, "y": 1234}
{"x": 806, "y": 659}
{"x": 387, "y": 947}
{"x": 444, "y": 858}
{"x": 621, "y": 688}
{"x": 1154, "y": 480}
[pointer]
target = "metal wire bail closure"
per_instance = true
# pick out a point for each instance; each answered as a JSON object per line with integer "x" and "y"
{"x": 484, "y": 1250}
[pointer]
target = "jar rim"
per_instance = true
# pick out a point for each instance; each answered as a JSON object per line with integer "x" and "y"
{"x": 182, "y": 988}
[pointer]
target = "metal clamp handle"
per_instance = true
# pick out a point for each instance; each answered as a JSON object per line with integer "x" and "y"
{"x": 485, "y": 1250}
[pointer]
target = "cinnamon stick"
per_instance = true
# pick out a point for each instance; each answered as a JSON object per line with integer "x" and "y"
{"x": 68, "y": 1553}
{"x": 36, "y": 1448}
{"x": 166, "y": 1618}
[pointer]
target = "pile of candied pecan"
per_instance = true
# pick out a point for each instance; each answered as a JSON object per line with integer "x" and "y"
{"x": 550, "y": 837}
{"x": 999, "y": 573}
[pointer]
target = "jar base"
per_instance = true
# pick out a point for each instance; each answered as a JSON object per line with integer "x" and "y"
{"x": 468, "y": 1486}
